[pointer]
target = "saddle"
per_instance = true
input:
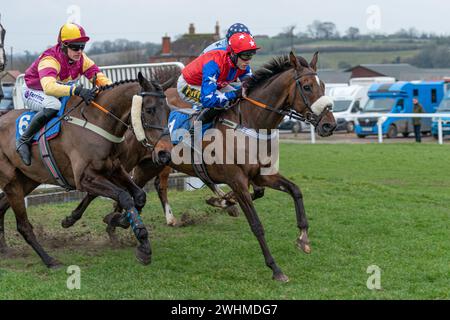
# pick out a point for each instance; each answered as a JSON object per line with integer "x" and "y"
{"x": 182, "y": 116}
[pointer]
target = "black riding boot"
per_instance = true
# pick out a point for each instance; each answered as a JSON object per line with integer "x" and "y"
{"x": 24, "y": 143}
{"x": 206, "y": 116}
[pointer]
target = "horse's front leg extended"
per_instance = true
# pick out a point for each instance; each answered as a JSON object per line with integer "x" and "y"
{"x": 278, "y": 182}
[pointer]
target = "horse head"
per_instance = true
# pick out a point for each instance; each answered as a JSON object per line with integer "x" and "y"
{"x": 306, "y": 95}
{"x": 149, "y": 117}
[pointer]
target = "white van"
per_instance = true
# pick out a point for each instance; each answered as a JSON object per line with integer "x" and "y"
{"x": 348, "y": 101}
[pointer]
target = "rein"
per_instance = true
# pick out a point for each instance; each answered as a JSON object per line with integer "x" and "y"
{"x": 310, "y": 118}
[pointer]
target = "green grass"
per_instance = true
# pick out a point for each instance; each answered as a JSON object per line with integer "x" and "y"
{"x": 384, "y": 205}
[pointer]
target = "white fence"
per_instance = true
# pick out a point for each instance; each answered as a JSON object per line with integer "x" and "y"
{"x": 115, "y": 73}
{"x": 382, "y": 117}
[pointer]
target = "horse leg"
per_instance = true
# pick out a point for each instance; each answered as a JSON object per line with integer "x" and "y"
{"x": 245, "y": 200}
{"x": 4, "y": 206}
{"x": 15, "y": 193}
{"x": 76, "y": 214}
{"x": 97, "y": 184}
{"x": 161, "y": 185}
{"x": 278, "y": 182}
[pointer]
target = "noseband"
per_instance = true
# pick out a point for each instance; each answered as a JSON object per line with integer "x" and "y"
{"x": 146, "y": 125}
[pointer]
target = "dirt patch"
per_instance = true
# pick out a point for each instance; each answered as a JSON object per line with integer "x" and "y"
{"x": 84, "y": 241}
{"x": 187, "y": 218}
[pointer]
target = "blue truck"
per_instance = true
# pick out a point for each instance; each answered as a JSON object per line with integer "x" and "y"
{"x": 444, "y": 107}
{"x": 397, "y": 98}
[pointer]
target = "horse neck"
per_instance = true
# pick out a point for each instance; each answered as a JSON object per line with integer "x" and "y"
{"x": 118, "y": 102}
{"x": 274, "y": 94}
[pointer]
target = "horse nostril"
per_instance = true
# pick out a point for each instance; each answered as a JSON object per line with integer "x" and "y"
{"x": 164, "y": 157}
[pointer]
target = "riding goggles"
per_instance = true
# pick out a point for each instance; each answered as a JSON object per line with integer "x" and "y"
{"x": 76, "y": 47}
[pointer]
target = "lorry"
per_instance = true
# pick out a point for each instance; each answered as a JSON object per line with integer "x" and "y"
{"x": 397, "y": 98}
{"x": 350, "y": 99}
{"x": 444, "y": 107}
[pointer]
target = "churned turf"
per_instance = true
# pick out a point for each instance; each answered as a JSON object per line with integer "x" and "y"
{"x": 382, "y": 205}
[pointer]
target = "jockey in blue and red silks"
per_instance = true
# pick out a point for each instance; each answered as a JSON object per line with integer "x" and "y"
{"x": 53, "y": 75}
{"x": 205, "y": 82}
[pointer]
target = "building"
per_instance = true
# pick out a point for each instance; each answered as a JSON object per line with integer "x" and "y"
{"x": 400, "y": 71}
{"x": 9, "y": 76}
{"x": 188, "y": 47}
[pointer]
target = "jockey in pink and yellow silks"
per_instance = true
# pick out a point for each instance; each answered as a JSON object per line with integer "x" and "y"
{"x": 53, "y": 75}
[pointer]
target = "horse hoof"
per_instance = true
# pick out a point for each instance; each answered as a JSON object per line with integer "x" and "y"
{"x": 172, "y": 222}
{"x": 280, "y": 277}
{"x": 144, "y": 256}
{"x": 54, "y": 265}
{"x": 233, "y": 211}
{"x": 67, "y": 222}
{"x": 303, "y": 246}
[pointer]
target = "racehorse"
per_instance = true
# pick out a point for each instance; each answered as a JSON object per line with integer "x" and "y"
{"x": 286, "y": 86}
{"x": 88, "y": 161}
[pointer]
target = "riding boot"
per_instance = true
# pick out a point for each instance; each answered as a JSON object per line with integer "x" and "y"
{"x": 206, "y": 116}
{"x": 24, "y": 143}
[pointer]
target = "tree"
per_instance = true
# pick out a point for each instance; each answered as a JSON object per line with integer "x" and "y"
{"x": 322, "y": 30}
{"x": 352, "y": 33}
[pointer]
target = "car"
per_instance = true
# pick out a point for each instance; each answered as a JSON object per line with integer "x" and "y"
{"x": 292, "y": 125}
{"x": 6, "y": 103}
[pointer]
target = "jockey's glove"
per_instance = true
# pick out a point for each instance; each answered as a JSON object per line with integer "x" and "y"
{"x": 86, "y": 94}
{"x": 238, "y": 93}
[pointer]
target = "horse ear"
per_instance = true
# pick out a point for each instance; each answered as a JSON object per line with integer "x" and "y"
{"x": 295, "y": 62}
{"x": 142, "y": 81}
{"x": 314, "y": 60}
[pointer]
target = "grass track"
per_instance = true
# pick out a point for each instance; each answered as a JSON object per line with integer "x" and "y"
{"x": 384, "y": 205}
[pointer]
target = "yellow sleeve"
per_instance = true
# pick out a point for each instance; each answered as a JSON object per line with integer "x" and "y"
{"x": 52, "y": 88}
{"x": 102, "y": 80}
{"x": 48, "y": 69}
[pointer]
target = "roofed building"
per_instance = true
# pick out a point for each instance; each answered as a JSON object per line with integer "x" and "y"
{"x": 186, "y": 48}
{"x": 400, "y": 71}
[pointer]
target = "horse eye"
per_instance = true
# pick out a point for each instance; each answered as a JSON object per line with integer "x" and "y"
{"x": 307, "y": 88}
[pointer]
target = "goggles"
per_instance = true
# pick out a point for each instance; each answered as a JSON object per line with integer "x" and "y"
{"x": 246, "y": 56}
{"x": 76, "y": 47}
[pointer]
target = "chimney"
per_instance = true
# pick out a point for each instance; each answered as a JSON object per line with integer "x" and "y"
{"x": 191, "y": 29}
{"x": 217, "y": 29}
{"x": 165, "y": 45}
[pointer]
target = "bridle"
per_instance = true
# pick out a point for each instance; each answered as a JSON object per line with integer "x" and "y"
{"x": 146, "y": 125}
{"x": 310, "y": 117}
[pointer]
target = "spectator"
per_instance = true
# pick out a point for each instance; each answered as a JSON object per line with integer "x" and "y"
{"x": 417, "y": 121}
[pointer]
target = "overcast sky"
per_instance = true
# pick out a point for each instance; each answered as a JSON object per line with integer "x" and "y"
{"x": 33, "y": 25}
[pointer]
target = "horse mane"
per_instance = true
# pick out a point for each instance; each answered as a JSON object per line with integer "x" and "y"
{"x": 270, "y": 69}
{"x": 116, "y": 84}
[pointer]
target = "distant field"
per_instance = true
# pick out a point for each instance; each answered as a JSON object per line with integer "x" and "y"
{"x": 331, "y": 60}
{"x": 384, "y": 205}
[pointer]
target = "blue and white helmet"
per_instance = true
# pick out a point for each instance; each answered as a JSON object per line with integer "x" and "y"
{"x": 236, "y": 28}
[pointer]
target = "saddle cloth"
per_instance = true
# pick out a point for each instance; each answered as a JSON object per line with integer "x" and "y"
{"x": 25, "y": 118}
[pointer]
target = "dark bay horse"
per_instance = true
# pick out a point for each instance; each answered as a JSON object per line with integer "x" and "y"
{"x": 88, "y": 161}
{"x": 287, "y": 84}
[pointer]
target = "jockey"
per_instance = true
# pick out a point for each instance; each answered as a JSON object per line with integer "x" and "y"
{"x": 223, "y": 43}
{"x": 205, "y": 82}
{"x": 52, "y": 76}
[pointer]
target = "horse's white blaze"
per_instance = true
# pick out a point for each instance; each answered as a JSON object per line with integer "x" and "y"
{"x": 136, "y": 120}
{"x": 321, "y": 104}
{"x": 318, "y": 80}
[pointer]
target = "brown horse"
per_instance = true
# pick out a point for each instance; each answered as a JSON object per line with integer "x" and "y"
{"x": 88, "y": 161}
{"x": 287, "y": 85}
